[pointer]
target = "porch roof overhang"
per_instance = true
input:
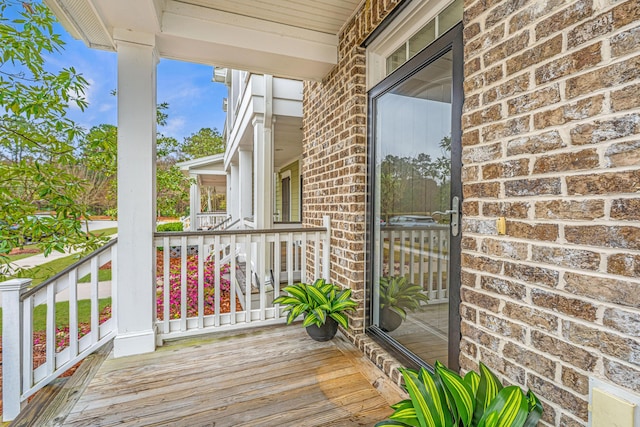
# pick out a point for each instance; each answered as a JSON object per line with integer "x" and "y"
{"x": 209, "y": 171}
{"x": 295, "y": 39}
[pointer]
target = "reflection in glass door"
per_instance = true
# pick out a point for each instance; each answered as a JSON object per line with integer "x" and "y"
{"x": 411, "y": 278}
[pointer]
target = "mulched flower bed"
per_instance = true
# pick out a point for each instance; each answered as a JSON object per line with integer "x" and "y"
{"x": 175, "y": 290}
{"x": 22, "y": 251}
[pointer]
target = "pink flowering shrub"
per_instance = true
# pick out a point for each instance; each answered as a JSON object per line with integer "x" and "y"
{"x": 175, "y": 290}
{"x": 62, "y": 337}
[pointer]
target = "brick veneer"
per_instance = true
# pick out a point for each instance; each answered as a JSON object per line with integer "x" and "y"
{"x": 550, "y": 141}
{"x": 334, "y": 164}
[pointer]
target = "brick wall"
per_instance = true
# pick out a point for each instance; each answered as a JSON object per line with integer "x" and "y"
{"x": 334, "y": 164}
{"x": 551, "y": 141}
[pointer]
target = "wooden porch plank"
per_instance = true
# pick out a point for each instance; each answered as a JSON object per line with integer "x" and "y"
{"x": 190, "y": 388}
{"x": 53, "y": 402}
{"x": 263, "y": 377}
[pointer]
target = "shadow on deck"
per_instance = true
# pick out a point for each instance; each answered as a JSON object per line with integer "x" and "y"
{"x": 261, "y": 377}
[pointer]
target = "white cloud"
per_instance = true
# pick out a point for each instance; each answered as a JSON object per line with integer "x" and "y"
{"x": 174, "y": 127}
{"x": 104, "y": 107}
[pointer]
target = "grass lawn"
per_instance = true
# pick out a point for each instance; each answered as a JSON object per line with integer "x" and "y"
{"x": 49, "y": 269}
{"x": 62, "y": 313}
{"x": 106, "y": 231}
{"x": 42, "y": 272}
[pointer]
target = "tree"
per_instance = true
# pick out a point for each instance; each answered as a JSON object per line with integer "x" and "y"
{"x": 37, "y": 140}
{"x": 99, "y": 168}
{"x": 205, "y": 142}
{"x": 173, "y": 189}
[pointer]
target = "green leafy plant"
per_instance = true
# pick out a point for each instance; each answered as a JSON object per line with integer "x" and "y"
{"x": 317, "y": 302}
{"x": 171, "y": 226}
{"x": 400, "y": 296}
{"x": 445, "y": 399}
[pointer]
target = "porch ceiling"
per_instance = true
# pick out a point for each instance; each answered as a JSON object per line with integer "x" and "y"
{"x": 289, "y": 38}
{"x": 287, "y": 140}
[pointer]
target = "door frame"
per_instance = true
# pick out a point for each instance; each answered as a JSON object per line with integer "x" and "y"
{"x": 450, "y": 41}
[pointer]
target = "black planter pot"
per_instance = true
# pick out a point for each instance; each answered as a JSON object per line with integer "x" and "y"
{"x": 324, "y": 332}
{"x": 389, "y": 320}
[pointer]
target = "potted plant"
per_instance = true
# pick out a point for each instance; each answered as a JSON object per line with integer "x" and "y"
{"x": 322, "y": 304}
{"x": 397, "y": 296}
{"x": 445, "y": 399}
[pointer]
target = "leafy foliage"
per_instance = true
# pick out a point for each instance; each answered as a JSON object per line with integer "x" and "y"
{"x": 205, "y": 142}
{"x": 445, "y": 399}
{"x": 37, "y": 139}
{"x": 397, "y": 294}
{"x": 402, "y": 179}
{"x": 170, "y": 226}
{"x": 316, "y": 302}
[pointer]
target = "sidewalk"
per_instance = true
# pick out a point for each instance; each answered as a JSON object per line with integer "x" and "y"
{"x": 84, "y": 289}
{"x": 39, "y": 259}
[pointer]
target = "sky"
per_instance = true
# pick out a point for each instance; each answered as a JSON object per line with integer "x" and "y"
{"x": 195, "y": 101}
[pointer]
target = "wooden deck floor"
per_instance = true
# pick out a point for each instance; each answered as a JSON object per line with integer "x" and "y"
{"x": 274, "y": 376}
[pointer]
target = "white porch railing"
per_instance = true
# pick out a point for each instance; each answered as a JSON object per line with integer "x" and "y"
{"x": 422, "y": 253}
{"x": 24, "y": 374}
{"x": 209, "y": 220}
{"x": 228, "y": 279}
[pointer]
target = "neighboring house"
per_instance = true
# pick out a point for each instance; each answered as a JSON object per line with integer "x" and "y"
{"x": 522, "y": 113}
{"x": 208, "y": 176}
{"x": 264, "y": 145}
{"x": 263, "y": 133}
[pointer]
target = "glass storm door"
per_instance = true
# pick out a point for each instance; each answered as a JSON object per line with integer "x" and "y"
{"x": 415, "y": 211}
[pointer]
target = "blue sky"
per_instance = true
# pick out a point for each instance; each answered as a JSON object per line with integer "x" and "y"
{"x": 194, "y": 100}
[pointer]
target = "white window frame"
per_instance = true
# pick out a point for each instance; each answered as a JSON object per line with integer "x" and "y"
{"x": 412, "y": 18}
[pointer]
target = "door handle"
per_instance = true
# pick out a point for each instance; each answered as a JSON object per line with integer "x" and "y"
{"x": 455, "y": 215}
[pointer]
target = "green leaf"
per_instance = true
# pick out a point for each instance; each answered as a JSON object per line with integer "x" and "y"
{"x": 458, "y": 393}
{"x": 341, "y": 318}
{"x": 320, "y": 314}
{"x": 311, "y": 319}
{"x": 392, "y": 423}
{"x": 442, "y": 415}
{"x": 535, "y": 410}
{"x": 472, "y": 379}
{"x": 419, "y": 397}
{"x": 488, "y": 389}
{"x": 510, "y": 406}
{"x": 297, "y": 291}
{"x": 317, "y": 295}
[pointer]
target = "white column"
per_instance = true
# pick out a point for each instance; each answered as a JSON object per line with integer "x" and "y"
{"x": 244, "y": 183}
{"x": 194, "y": 203}
{"x": 233, "y": 202}
{"x": 135, "y": 296}
{"x": 12, "y": 346}
{"x": 263, "y": 172}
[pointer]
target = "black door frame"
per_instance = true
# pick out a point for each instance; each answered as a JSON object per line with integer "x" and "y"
{"x": 450, "y": 41}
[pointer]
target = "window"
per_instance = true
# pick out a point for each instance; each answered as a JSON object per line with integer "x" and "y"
{"x": 414, "y": 254}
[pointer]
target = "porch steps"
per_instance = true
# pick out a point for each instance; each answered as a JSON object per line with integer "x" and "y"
{"x": 51, "y": 405}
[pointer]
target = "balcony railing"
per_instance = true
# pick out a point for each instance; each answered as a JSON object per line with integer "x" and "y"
{"x": 205, "y": 281}
{"x": 62, "y": 299}
{"x": 422, "y": 253}
{"x": 210, "y": 220}
{"x": 228, "y": 279}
